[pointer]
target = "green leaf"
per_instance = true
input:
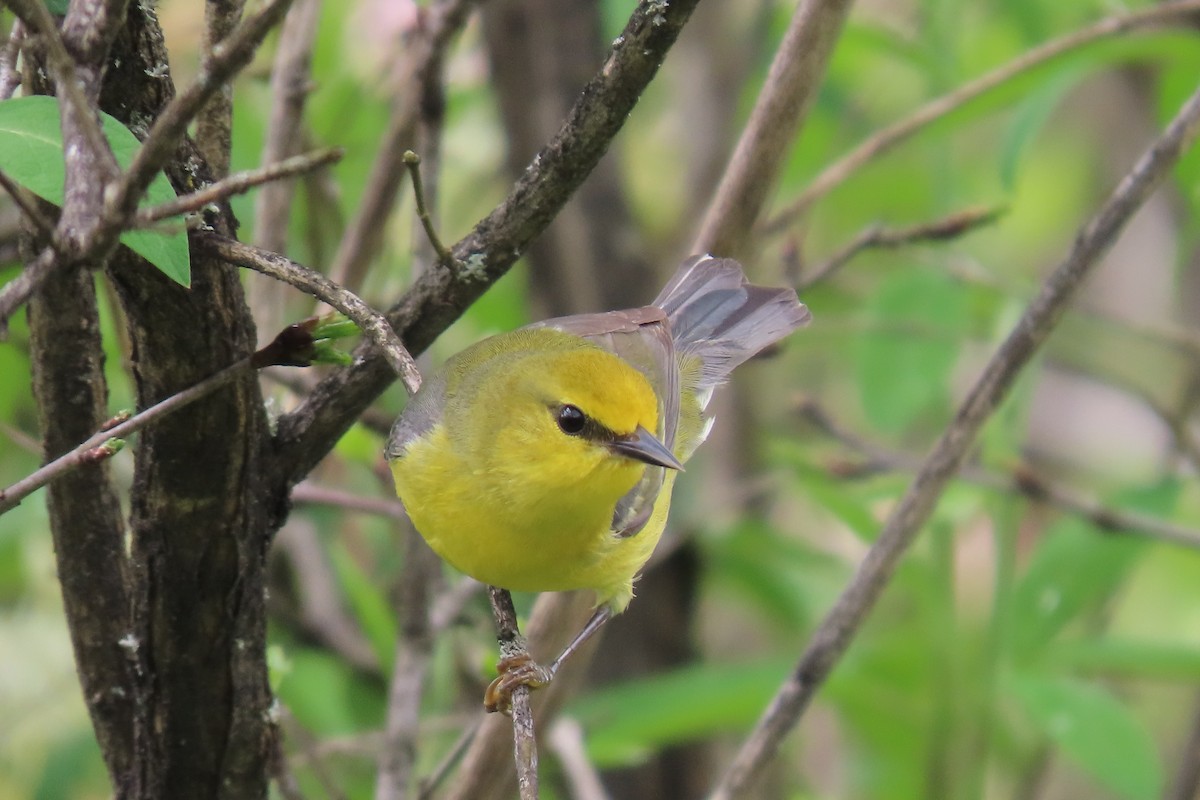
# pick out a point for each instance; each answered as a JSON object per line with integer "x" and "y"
{"x": 31, "y": 152}
{"x": 632, "y": 721}
{"x": 1076, "y": 567}
{"x": 369, "y": 604}
{"x": 1095, "y": 731}
{"x": 1032, "y": 115}
{"x": 905, "y": 359}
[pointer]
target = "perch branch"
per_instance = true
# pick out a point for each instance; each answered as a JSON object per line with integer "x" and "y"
{"x": 512, "y": 644}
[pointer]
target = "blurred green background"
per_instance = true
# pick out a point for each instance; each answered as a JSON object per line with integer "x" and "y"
{"x": 1021, "y": 651}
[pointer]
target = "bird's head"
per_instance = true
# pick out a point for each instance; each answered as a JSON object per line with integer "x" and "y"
{"x": 583, "y": 416}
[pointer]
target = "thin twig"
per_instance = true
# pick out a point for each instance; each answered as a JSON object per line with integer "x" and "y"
{"x": 87, "y": 451}
{"x": 837, "y": 629}
{"x": 214, "y": 122}
{"x": 363, "y": 235}
{"x": 413, "y": 162}
{"x": 10, "y": 77}
{"x": 449, "y": 604}
{"x": 373, "y": 325}
{"x": 1021, "y": 480}
{"x": 237, "y": 184}
{"x": 309, "y": 492}
{"x": 780, "y": 109}
{"x": 512, "y": 645}
{"x": 566, "y": 740}
{"x": 62, "y": 66}
{"x": 884, "y": 140}
{"x": 228, "y": 57}
{"x": 290, "y": 87}
{"x": 430, "y": 783}
{"x": 414, "y": 647}
{"x": 27, "y": 206}
{"x": 949, "y": 227}
{"x": 1186, "y": 783}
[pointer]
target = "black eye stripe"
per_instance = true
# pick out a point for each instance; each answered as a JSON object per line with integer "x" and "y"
{"x": 573, "y": 421}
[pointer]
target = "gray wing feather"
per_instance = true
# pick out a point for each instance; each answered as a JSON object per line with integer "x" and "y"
{"x": 722, "y": 319}
{"x": 423, "y": 411}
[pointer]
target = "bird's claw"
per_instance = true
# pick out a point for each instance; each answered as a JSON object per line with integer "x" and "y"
{"x": 515, "y": 671}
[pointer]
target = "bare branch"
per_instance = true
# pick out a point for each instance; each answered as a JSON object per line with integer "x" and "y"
{"x": 228, "y": 57}
{"x": 512, "y": 645}
{"x": 214, "y": 123}
{"x": 566, "y": 740}
{"x": 835, "y": 632}
{"x": 28, "y": 206}
{"x": 73, "y": 99}
{"x": 312, "y": 493}
{"x": 10, "y": 78}
{"x": 884, "y": 140}
{"x": 414, "y": 646}
{"x": 290, "y": 81}
{"x": 949, "y": 227}
{"x": 778, "y": 113}
{"x": 237, "y": 184}
{"x": 412, "y": 162}
{"x": 1021, "y": 480}
{"x": 362, "y": 237}
{"x": 371, "y": 323}
{"x": 84, "y": 453}
{"x": 1186, "y": 783}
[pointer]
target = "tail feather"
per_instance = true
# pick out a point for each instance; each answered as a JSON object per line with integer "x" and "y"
{"x": 723, "y": 320}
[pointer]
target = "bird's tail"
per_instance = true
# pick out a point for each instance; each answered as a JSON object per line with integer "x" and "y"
{"x": 721, "y": 319}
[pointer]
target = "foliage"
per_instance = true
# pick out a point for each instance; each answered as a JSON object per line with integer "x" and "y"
{"x": 1022, "y": 647}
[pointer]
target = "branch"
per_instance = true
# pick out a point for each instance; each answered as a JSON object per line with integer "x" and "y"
{"x": 312, "y": 493}
{"x": 214, "y": 121}
{"x": 781, "y": 107}
{"x": 512, "y": 644}
{"x": 362, "y": 237}
{"x": 839, "y": 626}
{"x": 439, "y": 296}
{"x": 228, "y": 57}
{"x": 884, "y": 140}
{"x": 10, "y": 78}
{"x": 949, "y": 227}
{"x": 412, "y": 162}
{"x": 372, "y": 324}
{"x": 1021, "y": 480}
{"x": 102, "y": 444}
{"x": 290, "y": 82}
{"x": 414, "y": 647}
{"x": 73, "y": 100}
{"x": 238, "y": 183}
{"x": 28, "y": 207}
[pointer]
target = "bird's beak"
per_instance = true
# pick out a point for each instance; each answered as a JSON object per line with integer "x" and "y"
{"x": 641, "y": 445}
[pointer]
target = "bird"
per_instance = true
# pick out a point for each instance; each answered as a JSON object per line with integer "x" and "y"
{"x": 543, "y": 459}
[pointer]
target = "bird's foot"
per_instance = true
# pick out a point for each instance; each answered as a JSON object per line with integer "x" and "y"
{"x": 515, "y": 671}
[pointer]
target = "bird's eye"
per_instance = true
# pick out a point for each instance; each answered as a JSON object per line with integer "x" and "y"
{"x": 571, "y": 420}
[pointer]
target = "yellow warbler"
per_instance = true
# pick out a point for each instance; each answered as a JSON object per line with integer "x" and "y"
{"x": 543, "y": 459}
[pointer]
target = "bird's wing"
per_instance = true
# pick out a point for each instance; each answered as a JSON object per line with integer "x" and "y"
{"x": 719, "y": 320}
{"x": 641, "y": 337}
